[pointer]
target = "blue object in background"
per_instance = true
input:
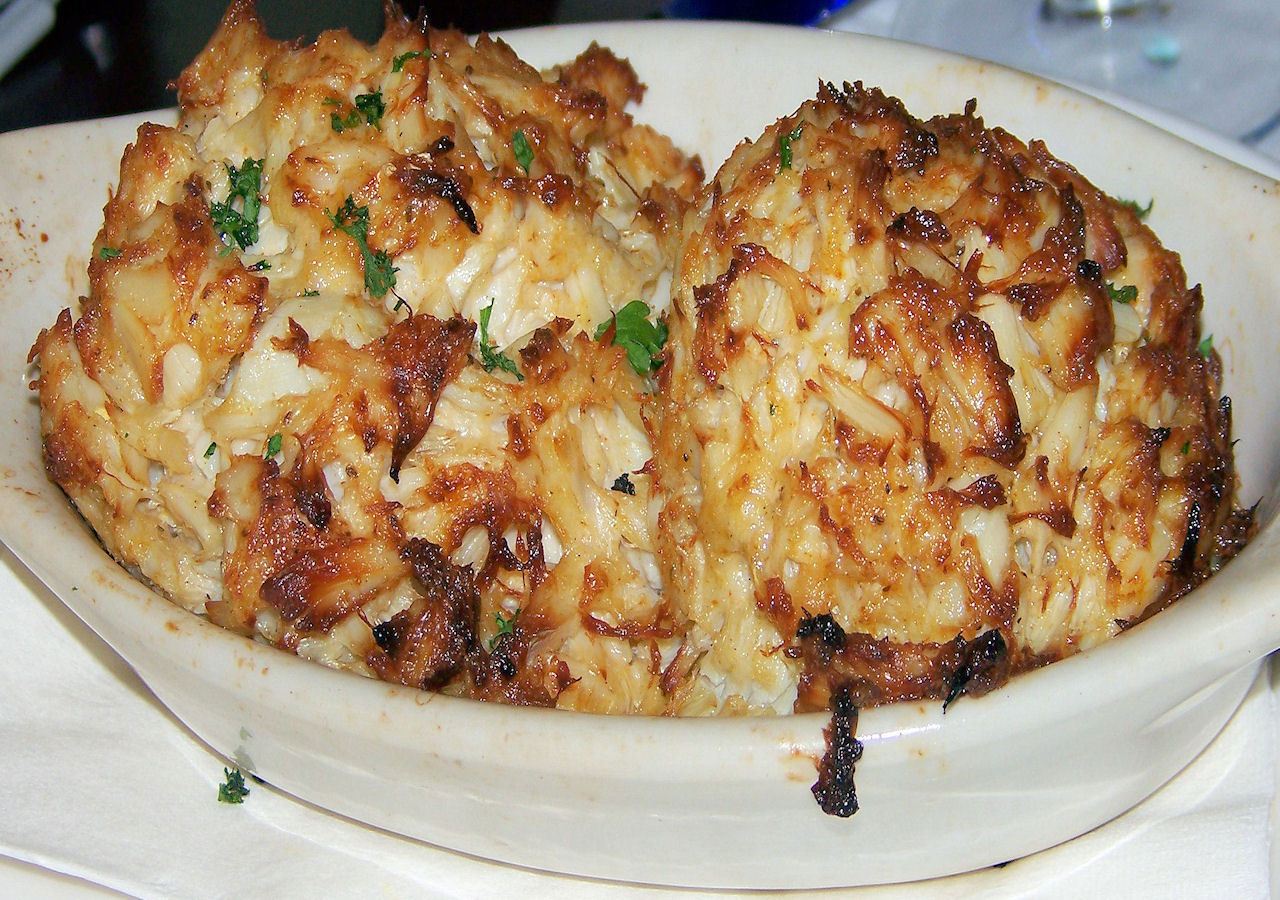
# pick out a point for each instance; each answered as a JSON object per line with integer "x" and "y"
{"x": 788, "y": 12}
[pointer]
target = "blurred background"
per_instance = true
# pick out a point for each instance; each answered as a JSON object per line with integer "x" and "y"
{"x": 104, "y": 59}
{"x": 1215, "y": 62}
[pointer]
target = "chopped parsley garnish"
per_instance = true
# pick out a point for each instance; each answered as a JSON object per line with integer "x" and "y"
{"x": 398, "y": 62}
{"x": 490, "y": 358}
{"x": 1138, "y": 210}
{"x": 622, "y": 484}
{"x": 210, "y": 450}
{"x": 372, "y": 107}
{"x": 524, "y": 153}
{"x": 1126, "y": 294}
{"x": 784, "y": 146}
{"x": 311, "y": 293}
{"x": 1205, "y": 347}
{"x": 260, "y": 266}
{"x": 1186, "y": 448}
{"x": 273, "y": 445}
{"x": 399, "y": 303}
{"x": 368, "y": 107}
{"x": 506, "y": 628}
{"x": 379, "y": 274}
{"x": 338, "y": 123}
{"x": 240, "y": 226}
{"x": 109, "y": 253}
{"x": 633, "y": 332}
{"x": 233, "y": 789}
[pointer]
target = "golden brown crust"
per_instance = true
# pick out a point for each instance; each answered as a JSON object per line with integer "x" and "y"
{"x": 349, "y": 467}
{"x": 908, "y": 441}
{"x": 903, "y": 403}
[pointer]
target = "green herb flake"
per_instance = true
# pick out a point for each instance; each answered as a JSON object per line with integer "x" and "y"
{"x": 506, "y": 628}
{"x": 352, "y": 220}
{"x": 311, "y": 293}
{"x": 398, "y": 62}
{"x": 1138, "y": 210}
{"x": 1125, "y": 295}
{"x": 260, "y": 266}
{"x": 233, "y": 789}
{"x": 524, "y": 153}
{"x": 633, "y": 332}
{"x": 784, "y": 146}
{"x": 273, "y": 445}
{"x": 240, "y": 226}
{"x": 109, "y": 253}
{"x": 367, "y": 108}
{"x": 1186, "y": 448}
{"x": 1205, "y": 347}
{"x": 490, "y": 358}
{"x": 210, "y": 450}
{"x": 622, "y": 484}
{"x": 372, "y": 107}
{"x": 400, "y": 303}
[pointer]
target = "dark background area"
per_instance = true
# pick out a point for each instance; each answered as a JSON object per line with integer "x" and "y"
{"x": 105, "y": 59}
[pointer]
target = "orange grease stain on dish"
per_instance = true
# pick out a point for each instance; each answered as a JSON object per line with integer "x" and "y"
{"x": 799, "y": 766}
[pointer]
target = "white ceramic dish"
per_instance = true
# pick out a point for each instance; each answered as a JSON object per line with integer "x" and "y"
{"x": 724, "y": 802}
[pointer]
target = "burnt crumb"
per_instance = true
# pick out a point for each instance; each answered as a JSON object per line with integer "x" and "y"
{"x": 1089, "y": 270}
{"x": 1185, "y": 562}
{"x": 387, "y": 637}
{"x": 506, "y": 666}
{"x": 315, "y": 506}
{"x": 1032, "y": 299}
{"x": 977, "y": 658}
{"x": 834, "y": 790}
{"x": 447, "y": 189}
{"x": 427, "y": 643}
{"x": 920, "y": 225}
{"x": 821, "y": 637}
{"x": 824, "y": 627}
{"x": 986, "y": 492}
{"x": 1235, "y": 532}
{"x": 622, "y": 484}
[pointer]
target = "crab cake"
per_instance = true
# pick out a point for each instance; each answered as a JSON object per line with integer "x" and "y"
{"x": 347, "y": 377}
{"x": 936, "y": 409}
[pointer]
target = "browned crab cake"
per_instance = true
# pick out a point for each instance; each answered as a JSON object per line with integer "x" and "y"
{"x": 935, "y": 411}
{"x": 338, "y": 380}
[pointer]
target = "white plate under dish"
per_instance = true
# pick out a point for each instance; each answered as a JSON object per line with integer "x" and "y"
{"x": 711, "y": 802}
